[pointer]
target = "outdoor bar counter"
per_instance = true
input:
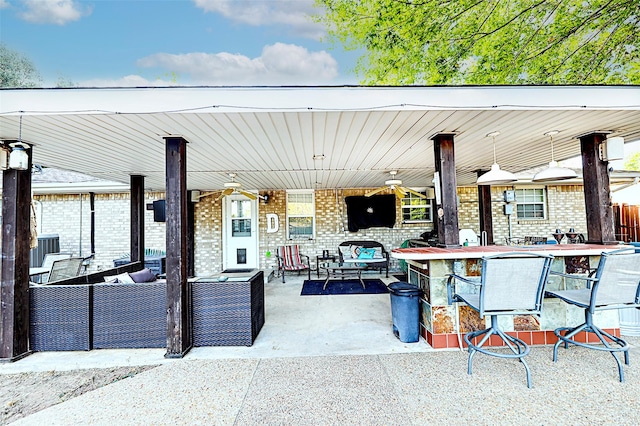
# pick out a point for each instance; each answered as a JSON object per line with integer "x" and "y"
{"x": 428, "y": 268}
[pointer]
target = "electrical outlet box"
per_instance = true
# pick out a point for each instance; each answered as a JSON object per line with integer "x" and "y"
{"x": 508, "y": 209}
{"x": 612, "y": 149}
{"x": 4, "y": 158}
{"x": 509, "y": 196}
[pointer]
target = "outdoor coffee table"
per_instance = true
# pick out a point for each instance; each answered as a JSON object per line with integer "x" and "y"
{"x": 337, "y": 270}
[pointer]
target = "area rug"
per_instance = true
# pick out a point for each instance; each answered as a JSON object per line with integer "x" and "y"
{"x": 337, "y": 286}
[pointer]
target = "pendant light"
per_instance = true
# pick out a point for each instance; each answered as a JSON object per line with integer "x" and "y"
{"x": 553, "y": 172}
{"x": 495, "y": 176}
{"x": 19, "y": 159}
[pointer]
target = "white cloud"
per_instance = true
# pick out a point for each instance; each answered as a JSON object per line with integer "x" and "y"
{"x": 293, "y": 13}
{"x": 4, "y": 4}
{"x": 279, "y": 64}
{"x": 127, "y": 81}
{"x": 59, "y": 12}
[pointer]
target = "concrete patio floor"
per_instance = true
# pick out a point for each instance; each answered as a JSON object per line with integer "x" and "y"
{"x": 294, "y": 326}
{"x": 334, "y": 360}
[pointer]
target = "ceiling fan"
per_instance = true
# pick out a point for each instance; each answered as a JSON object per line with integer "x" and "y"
{"x": 232, "y": 187}
{"x": 396, "y": 186}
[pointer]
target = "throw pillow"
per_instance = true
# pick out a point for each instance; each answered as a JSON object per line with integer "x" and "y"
{"x": 378, "y": 253}
{"x": 355, "y": 251}
{"x": 112, "y": 279}
{"x": 124, "y": 278}
{"x": 345, "y": 251}
{"x": 143, "y": 276}
{"x": 366, "y": 253}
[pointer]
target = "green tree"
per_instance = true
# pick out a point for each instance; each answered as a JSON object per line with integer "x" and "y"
{"x": 490, "y": 41}
{"x": 16, "y": 70}
{"x": 65, "y": 82}
{"x": 633, "y": 162}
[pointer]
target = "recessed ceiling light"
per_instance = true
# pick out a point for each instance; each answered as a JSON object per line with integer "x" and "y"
{"x": 318, "y": 157}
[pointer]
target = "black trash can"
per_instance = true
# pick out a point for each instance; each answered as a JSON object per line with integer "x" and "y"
{"x": 405, "y": 311}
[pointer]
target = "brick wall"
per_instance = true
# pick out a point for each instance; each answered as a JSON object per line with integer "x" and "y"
{"x": 69, "y": 217}
{"x": 208, "y": 235}
{"x": 565, "y": 209}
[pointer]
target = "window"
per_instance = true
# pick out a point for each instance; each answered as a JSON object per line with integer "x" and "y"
{"x": 241, "y": 218}
{"x": 300, "y": 215}
{"x": 531, "y": 203}
{"x": 416, "y": 209}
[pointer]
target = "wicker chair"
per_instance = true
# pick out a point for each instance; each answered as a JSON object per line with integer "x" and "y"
{"x": 510, "y": 284}
{"x": 615, "y": 285}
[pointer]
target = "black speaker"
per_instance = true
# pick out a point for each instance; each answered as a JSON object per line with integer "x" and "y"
{"x": 159, "y": 211}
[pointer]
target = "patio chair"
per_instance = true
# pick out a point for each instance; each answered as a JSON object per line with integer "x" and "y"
{"x": 65, "y": 268}
{"x": 614, "y": 285}
{"x": 47, "y": 262}
{"x": 510, "y": 284}
{"x": 290, "y": 259}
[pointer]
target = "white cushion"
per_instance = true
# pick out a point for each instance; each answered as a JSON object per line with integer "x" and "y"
{"x": 125, "y": 278}
{"x": 345, "y": 251}
{"x": 378, "y": 253}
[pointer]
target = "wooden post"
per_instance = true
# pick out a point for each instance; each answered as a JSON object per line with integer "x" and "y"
{"x": 485, "y": 210}
{"x": 14, "y": 268}
{"x": 178, "y": 324}
{"x": 137, "y": 218}
{"x": 447, "y": 211}
{"x": 597, "y": 195}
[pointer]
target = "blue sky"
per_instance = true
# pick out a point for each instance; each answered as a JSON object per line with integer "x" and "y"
{"x": 160, "y": 42}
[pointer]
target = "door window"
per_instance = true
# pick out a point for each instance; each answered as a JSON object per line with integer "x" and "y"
{"x": 241, "y": 218}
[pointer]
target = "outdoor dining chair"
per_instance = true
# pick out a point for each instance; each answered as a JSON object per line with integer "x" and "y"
{"x": 615, "y": 285}
{"x": 65, "y": 268}
{"x": 510, "y": 284}
{"x": 290, "y": 259}
{"x": 47, "y": 263}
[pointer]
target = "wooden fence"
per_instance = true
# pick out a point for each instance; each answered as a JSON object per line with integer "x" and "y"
{"x": 627, "y": 222}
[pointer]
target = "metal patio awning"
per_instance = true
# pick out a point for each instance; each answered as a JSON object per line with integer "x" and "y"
{"x": 270, "y": 135}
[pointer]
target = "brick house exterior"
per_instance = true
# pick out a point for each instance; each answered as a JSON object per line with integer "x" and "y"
{"x": 69, "y": 216}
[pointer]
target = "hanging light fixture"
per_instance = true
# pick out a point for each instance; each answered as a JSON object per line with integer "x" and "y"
{"x": 19, "y": 159}
{"x": 553, "y": 172}
{"x": 496, "y": 176}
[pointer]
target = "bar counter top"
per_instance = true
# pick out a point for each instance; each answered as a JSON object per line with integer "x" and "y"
{"x": 476, "y": 252}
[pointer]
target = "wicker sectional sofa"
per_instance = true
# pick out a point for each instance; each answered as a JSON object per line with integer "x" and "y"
{"x": 59, "y": 318}
{"x": 67, "y": 317}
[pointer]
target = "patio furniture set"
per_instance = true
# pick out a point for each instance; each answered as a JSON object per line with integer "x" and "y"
{"x": 353, "y": 258}
{"x": 515, "y": 284}
{"x": 85, "y": 312}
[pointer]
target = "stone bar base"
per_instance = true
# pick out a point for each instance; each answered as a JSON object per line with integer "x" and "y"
{"x": 430, "y": 267}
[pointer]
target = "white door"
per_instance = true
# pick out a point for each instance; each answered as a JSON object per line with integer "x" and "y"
{"x": 240, "y": 232}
